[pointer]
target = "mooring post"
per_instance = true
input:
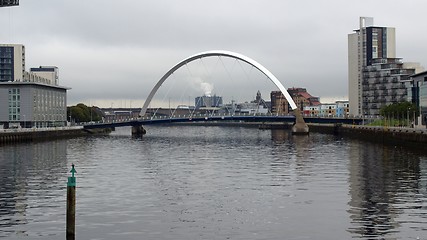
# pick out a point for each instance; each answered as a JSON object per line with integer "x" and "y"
{"x": 71, "y": 205}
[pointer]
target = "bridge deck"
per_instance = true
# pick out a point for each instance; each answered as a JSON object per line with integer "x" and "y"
{"x": 243, "y": 118}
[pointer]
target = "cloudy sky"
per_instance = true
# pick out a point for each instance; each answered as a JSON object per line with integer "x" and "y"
{"x": 111, "y": 53}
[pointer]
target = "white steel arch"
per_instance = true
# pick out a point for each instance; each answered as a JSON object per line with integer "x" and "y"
{"x": 218, "y": 53}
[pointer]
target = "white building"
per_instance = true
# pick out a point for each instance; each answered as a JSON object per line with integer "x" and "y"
{"x": 312, "y": 111}
{"x": 47, "y": 73}
{"x": 29, "y": 99}
{"x": 328, "y": 110}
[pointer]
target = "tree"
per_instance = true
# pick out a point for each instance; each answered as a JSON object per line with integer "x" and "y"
{"x": 83, "y": 113}
{"x": 400, "y": 111}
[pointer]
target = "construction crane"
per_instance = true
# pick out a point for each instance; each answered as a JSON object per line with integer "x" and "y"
{"x": 9, "y": 3}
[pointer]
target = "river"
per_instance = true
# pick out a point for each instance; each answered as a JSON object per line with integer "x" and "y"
{"x": 184, "y": 182}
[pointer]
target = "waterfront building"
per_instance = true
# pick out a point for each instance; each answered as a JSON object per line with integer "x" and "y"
{"x": 280, "y": 106}
{"x": 376, "y": 78}
{"x": 328, "y": 110}
{"x": 337, "y": 109}
{"x": 385, "y": 82}
{"x": 342, "y": 108}
{"x": 29, "y": 99}
{"x": 366, "y": 43}
{"x": 417, "y": 94}
{"x": 311, "y": 111}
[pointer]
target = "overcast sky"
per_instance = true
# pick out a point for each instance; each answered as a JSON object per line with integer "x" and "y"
{"x": 111, "y": 53}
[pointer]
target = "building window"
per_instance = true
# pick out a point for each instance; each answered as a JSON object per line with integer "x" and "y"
{"x": 14, "y": 104}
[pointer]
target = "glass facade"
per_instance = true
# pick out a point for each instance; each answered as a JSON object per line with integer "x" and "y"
{"x": 6, "y": 64}
{"x": 14, "y": 104}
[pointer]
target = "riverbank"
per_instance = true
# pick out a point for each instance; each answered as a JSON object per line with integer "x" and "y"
{"x": 408, "y": 137}
{"x": 400, "y": 136}
{"x": 8, "y": 136}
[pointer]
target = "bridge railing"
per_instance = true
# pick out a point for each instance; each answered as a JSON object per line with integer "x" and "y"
{"x": 210, "y": 115}
{"x": 199, "y": 116}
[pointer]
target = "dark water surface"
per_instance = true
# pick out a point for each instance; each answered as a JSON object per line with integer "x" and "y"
{"x": 214, "y": 183}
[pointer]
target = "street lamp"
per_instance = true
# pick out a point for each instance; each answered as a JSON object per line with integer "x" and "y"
{"x": 407, "y": 115}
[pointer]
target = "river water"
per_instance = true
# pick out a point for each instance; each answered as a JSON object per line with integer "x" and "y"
{"x": 183, "y": 182}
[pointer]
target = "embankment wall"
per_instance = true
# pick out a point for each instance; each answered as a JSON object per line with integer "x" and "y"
{"x": 7, "y": 137}
{"x": 399, "y": 136}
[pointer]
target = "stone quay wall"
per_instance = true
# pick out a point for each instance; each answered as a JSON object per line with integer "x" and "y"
{"x": 390, "y": 135}
{"x": 11, "y": 136}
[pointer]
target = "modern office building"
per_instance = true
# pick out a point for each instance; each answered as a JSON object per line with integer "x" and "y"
{"x": 208, "y": 102}
{"x": 29, "y": 99}
{"x": 376, "y": 78}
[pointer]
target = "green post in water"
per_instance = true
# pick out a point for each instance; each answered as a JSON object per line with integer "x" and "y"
{"x": 71, "y": 205}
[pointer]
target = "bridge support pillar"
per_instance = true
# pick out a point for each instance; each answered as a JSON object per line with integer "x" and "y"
{"x": 300, "y": 127}
{"x": 138, "y": 131}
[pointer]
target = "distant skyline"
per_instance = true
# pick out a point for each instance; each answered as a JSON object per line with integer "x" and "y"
{"x": 114, "y": 52}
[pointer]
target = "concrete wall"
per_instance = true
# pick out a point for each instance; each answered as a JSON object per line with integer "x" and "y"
{"x": 28, "y": 136}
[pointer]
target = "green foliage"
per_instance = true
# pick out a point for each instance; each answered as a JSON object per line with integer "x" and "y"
{"x": 83, "y": 113}
{"x": 402, "y": 110}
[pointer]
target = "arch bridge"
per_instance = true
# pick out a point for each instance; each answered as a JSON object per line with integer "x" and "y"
{"x": 300, "y": 127}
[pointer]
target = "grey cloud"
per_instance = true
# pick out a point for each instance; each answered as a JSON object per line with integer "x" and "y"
{"x": 123, "y": 47}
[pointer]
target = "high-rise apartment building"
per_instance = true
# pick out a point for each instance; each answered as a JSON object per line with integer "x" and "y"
{"x": 366, "y": 43}
{"x": 376, "y": 78}
{"x": 12, "y": 62}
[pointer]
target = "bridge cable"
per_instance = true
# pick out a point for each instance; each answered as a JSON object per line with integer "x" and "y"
{"x": 198, "y": 100}
{"x": 182, "y": 96}
{"x": 165, "y": 95}
{"x": 209, "y": 74}
{"x": 249, "y": 80}
{"x": 226, "y": 70}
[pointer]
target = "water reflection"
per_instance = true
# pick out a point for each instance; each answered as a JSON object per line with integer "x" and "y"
{"x": 214, "y": 183}
{"x": 28, "y": 173}
{"x": 384, "y": 180}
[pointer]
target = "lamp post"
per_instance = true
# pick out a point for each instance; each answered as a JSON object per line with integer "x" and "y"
{"x": 407, "y": 115}
{"x": 413, "y": 126}
{"x": 130, "y": 109}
